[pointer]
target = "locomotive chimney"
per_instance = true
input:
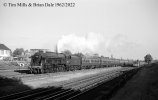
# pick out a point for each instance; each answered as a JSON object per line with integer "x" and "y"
{"x": 112, "y": 56}
{"x": 56, "y": 48}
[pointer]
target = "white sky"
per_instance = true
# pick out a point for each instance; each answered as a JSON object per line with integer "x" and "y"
{"x": 129, "y": 27}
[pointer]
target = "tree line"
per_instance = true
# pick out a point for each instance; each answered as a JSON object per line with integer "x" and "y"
{"x": 19, "y": 51}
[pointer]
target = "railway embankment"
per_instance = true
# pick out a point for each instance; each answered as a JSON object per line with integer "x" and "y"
{"x": 11, "y": 85}
{"x": 107, "y": 89}
{"x": 142, "y": 86}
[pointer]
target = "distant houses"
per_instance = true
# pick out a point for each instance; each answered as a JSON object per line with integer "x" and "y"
{"x": 33, "y": 51}
{"x": 5, "y": 52}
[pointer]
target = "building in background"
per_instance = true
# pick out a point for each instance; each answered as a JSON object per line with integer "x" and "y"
{"x": 33, "y": 51}
{"x": 26, "y": 55}
{"x": 5, "y": 52}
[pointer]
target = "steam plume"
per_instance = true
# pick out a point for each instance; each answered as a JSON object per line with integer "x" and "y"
{"x": 93, "y": 43}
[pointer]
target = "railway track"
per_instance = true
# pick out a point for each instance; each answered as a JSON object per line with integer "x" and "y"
{"x": 66, "y": 90}
{"x": 76, "y": 88}
{"x": 106, "y": 90}
{"x": 30, "y": 77}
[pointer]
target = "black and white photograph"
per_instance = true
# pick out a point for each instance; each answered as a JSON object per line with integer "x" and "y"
{"x": 78, "y": 49}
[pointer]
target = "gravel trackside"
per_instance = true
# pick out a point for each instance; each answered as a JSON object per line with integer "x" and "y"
{"x": 52, "y": 79}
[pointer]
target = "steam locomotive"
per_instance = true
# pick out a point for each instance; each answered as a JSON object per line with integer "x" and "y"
{"x": 47, "y": 62}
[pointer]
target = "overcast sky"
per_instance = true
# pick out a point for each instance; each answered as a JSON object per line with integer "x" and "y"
{"x": 124, "y": 28}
